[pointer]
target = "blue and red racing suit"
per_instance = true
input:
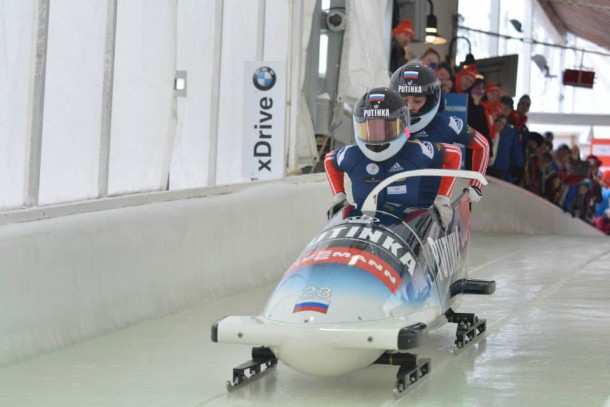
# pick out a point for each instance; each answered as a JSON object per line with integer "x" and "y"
{"x": 443, "y": 129}
{"x": 415, "y": 192}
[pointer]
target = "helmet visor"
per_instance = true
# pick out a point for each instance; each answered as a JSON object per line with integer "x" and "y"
{"x": 378, "y": 131}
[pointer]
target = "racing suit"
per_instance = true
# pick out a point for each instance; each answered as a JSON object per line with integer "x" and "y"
{"x": 451, "y": 129}
{"x": 365, "y": 173}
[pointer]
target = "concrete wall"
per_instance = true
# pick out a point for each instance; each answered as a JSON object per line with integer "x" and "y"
{"x": 70, "y": 277}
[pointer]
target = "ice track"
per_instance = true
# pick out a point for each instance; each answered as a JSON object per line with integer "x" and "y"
{"x": 546, "y": 345}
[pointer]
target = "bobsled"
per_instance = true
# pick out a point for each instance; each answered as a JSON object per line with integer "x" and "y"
{"x": 366, "y": 289}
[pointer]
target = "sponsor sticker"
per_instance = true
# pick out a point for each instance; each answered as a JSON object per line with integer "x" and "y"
{"x": 427, "y": 149}
{"x": 396, "y": 190}
{"x": 456, "y": 124}
{"x": 396, "y": 167}
{"x": 372, "y": 169}
{"x": 350, "y": 256}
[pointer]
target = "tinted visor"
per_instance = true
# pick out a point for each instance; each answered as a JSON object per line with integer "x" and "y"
{"x": 377, "y": 131}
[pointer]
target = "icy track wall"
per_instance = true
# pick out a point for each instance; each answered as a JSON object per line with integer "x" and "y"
{"x": 71, "y": 277}
{"x": 506, "y": 208}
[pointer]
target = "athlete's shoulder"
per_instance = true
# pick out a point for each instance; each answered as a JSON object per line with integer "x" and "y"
{"x": 344, "y": 152}
{"x": 419, "y": 147}
{"x": 456, "y": 124}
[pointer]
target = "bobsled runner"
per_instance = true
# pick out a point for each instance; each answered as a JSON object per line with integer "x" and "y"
{"x": 365, "y": 290}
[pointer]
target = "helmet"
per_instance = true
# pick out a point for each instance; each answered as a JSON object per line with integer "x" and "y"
{"x": 416, "y": 79}
{"x": 380, "y": 123}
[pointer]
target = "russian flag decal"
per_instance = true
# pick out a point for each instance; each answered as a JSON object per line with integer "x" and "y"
{"x": 410, "y": 74}
{"x": 311, "y": 305}
{"x": 376, "y": 97}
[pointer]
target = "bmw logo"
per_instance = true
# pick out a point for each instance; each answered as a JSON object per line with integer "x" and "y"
{"x": 264, "y": 78}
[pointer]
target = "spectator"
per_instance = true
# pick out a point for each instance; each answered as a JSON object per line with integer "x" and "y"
{"x": 545, "y": 170}
{"x": 548, "y": 135}
{"x": 491, "y": 103}
{"x": 601, "y": 207}
{"x": 476, "y": 112}
{"x": 445, "y": 75}
{"x": 431, "y": 58}
{"x": 465, "y": 78}
{"x": 578, "y": 166}
{"x": 575, "y": 153}
{"x": 548, "y": 145}
{"x": 572, "y": 183}
{"x": 580, "y": 206}
{"x": 520, "y": 119}
{"x": 520, "y": 116}
{"x": 506, "y": 108}
{"x": 553, "y": 187}
{"x": 528, "y": 153}
{"x": 594, "y": 164}
{"x": 507, "y": 151}
{"x": 533, "y": 175}
{"x": 402, "y": 35}
{"x": 603, "y": 222}
{"x": 535, "y": 144}
{"x": 561, "y": 161}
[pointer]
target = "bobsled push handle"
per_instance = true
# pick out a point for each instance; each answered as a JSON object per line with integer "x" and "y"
{"x": 370, "y": 203}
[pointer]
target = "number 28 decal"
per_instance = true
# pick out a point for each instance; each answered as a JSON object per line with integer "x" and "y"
{"x": 317, "y": 292}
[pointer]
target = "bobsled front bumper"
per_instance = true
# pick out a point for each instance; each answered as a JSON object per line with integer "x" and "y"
{"x": 373, "y": 335}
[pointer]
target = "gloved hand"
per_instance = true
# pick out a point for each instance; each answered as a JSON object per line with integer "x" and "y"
{"x": 474, "y": 194}
{"x": 338, "y": 202}
{"x": 442, "y": 205}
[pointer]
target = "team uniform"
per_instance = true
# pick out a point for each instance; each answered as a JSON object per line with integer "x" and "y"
{"x": 421, "y": 90}
{"x": 365, "y": 174}
{"x": 381, "y": 130}
{"x": 452, "y": 129}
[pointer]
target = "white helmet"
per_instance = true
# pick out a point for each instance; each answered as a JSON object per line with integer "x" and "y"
{"x": 380, "y": 123}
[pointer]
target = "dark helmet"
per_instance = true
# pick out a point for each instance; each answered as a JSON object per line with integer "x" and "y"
{"x": 416, "y": 79}
{"x": 380, "y": 119}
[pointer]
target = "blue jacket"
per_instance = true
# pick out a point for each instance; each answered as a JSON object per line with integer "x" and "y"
{"x": 452, "y": 129}
{"x": 601, "y": 207}
{"x": 366, "y": 174}
{"x": 508, "y": 154}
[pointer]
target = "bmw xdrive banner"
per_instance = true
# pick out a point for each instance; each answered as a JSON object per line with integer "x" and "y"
{"x": 264, "y": 115}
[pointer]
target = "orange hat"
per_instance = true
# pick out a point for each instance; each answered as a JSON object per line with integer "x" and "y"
{"x": 469, "y": 70}
{"x": 404, "y": 27}
{"x": 492, "y": 87}
{"x": 606, "y": 177}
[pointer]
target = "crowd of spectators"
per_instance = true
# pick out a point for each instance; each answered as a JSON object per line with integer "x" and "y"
{"x": 528, "y": 159}
{"x": 520, "y": 156}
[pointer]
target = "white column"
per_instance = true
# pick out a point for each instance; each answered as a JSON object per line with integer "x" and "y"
{"x": 294, "y": 80}
{"x": 215, "y": 107}
{"x": 526, "y": 55}
{"x": 494, "y": 27}
{"x": 37, "y": 102}
{"x": 107, "y": 99}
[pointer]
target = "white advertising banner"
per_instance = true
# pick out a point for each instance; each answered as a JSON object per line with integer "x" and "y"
{"x": 264, "y": 116}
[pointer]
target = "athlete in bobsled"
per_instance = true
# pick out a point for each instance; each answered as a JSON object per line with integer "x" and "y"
{"x": 381, "y": 272}
{"x": 383, "y": 148}
{"x": 421, "y": 90}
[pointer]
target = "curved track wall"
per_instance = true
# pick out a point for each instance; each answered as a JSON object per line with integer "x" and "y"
{"x": 70, "y": 277}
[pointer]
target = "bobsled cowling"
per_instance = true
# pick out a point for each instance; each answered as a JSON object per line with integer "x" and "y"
{"x": 369, "y": 282}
